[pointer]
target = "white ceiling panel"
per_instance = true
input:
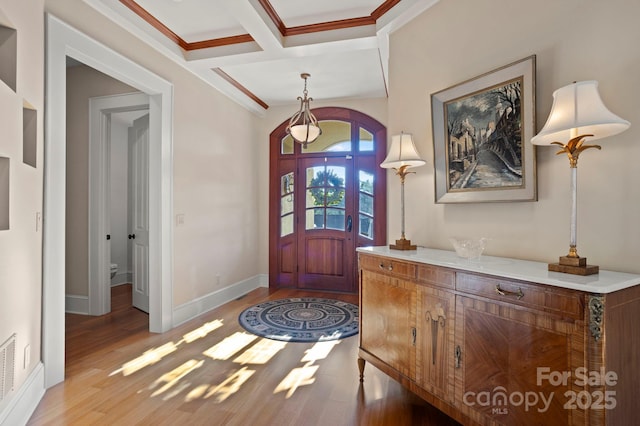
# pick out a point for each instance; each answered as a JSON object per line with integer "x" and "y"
{"x": 296, "y": 13}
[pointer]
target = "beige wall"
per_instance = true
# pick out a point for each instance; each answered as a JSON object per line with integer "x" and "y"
{"x": 573, "y": 40}
{"x": 83, "y": 83}
{"x": 21, "y": 245}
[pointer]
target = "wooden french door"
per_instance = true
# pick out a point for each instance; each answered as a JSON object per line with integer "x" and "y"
{"x": 325, "y": 201}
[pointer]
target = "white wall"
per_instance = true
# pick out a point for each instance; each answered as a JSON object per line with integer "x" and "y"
{"x": 119, "y": 186}
{"x": 573, "y": 40}
{"x": 21, "y": 245}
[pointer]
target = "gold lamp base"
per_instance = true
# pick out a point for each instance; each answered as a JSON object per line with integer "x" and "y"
{"x": 574, "y": 265}
{"x": 403, "y": 244}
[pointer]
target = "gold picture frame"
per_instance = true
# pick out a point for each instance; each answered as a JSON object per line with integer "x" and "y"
{"x": 481, "y": 137}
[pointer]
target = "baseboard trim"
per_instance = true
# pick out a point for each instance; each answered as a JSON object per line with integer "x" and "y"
{"x": 74, "y": 304}
{"x": 25, "y": 402}
{"x": 122, "y": 278}
{"x": 192, "y": 309}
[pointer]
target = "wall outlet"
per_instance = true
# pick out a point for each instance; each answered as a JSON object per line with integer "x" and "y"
{"x": 180, "y": 219}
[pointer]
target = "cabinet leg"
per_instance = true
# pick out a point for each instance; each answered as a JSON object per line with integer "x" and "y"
{"x": 361, "y": 363}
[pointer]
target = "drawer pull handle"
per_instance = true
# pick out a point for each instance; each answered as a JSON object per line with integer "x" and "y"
{"x": 390, "y": 267}
{"x": 457, "y": 355}
{"x": 518, "y": 294}
{"x": 414, "y": 334}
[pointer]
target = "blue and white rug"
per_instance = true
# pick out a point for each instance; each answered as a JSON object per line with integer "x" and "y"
{"x": 304, "y": 319}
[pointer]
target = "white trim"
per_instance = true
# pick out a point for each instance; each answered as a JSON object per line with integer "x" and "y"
{"x": 199, "y": 306}
{"x": 25, "y": 402}
{"x": 74, "y": 304}
{"x": 63, "y": 40}
{"x": 100, "y": 109}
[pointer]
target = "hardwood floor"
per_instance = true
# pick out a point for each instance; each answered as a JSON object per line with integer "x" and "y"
{"x": 117, "y": 373}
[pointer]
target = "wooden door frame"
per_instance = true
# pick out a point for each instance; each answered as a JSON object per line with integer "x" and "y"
{"x": 358, "y": 119}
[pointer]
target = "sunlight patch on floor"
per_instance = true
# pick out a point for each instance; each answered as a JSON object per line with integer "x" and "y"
{"x": 173, "y": 377}
{"x": 319, "y": 351}
{"x": 261, "y": 352}
{"x": 202, "y": 331}
{"x": 150, "y": 357}
{"x": 230, "y": 346}
{"x": 246, "y": 352}
{"x": 304, "y": 376}
{"x": 230, "y": 386}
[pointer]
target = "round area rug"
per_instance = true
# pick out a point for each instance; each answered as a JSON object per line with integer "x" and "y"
{"x": 304, "y": 319}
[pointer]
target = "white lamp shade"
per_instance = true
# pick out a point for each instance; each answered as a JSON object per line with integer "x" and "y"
{"x": 403, "y": 152}
{"x": 305, "y": 133}
{"x": 578, "y": 110}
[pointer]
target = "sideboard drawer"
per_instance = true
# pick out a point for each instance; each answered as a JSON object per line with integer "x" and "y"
{"x": 562, "y": 302}
{"x": 391, "y": 266}
{"x": 437, "y": 276}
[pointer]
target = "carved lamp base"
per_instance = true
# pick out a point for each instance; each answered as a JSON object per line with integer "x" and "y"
{"x": 574, "y": 265}
{"x": 403, "y": 244}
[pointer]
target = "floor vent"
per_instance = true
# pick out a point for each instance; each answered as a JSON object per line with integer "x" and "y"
{"x": 7, "y": 366}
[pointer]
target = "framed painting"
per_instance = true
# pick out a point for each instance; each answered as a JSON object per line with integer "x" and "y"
{"x": 481, "y": 137}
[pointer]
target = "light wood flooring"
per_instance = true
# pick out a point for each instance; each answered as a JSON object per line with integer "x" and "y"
{"x": 115, "y": 377}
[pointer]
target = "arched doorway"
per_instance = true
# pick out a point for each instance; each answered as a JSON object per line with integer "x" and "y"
{"x": 326, "y": 200}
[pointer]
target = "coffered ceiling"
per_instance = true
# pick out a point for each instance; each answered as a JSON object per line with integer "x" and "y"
{"x": 255, "y": 50}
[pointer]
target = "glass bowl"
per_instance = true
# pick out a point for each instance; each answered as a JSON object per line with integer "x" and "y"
{"x": 469, "y": 248}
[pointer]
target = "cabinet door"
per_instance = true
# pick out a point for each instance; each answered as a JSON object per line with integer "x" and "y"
{"x": 434, "y": 345}
{"x": 387, "y": 327}
{"x": 507, "y": 356}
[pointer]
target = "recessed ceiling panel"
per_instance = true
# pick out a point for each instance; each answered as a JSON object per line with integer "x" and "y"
{"x": 295, "y": 13}
{"x": 194, "y": 20}
{"x": 356, "y": 74}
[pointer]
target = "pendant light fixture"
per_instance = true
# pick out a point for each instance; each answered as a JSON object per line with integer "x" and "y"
{"x": 303, "y": 126}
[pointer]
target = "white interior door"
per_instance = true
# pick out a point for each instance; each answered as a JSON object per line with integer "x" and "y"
{"x": 139, "y": 210}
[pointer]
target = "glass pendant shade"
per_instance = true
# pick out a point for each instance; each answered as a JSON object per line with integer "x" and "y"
{"x": 578, "y": 110}
{"x": 304, "y": 133}
{"x": 403, "y": 152}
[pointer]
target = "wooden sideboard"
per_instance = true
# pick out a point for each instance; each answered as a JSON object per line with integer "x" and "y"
{"x": 499, "y": 341}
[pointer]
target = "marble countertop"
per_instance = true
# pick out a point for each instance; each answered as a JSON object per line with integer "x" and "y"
{"x": 602, "y": 283}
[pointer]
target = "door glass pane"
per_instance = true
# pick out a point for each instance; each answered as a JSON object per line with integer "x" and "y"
{"x": 286, "y": 205}
{"x": 315, "y": 176}
{"x": 365, "y": 203}
{"x": 315, "y": 218}
{"x": 335, "y": 137}
{"x": 315, "y": 197}
{"x": 286, "y": 146}
{"x": 335, "y": 219}
{"x": 366, "y": 182}
{"x": 286, "y": 184}
{"x": 335, "y": 183}
{"x": 286, "y": 225}
{"x": 366, "y": 140}
{"x": 366, "y": 226}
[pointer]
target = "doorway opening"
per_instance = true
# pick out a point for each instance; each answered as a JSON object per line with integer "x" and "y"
{"x": 325, "y": 201}
{"x": 63, "y": 40}
{"x": 118, "y": 199}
